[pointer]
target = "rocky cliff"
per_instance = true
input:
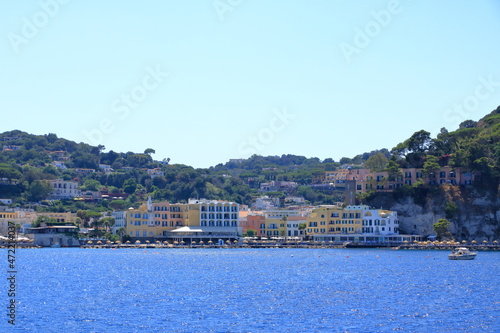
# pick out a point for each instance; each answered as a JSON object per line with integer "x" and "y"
{"x": 474, "y": 215}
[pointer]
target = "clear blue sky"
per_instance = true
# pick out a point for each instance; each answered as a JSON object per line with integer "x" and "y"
{"x": 205, "y": 81}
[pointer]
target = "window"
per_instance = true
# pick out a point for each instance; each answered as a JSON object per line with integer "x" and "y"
{"x": 442, "y": 174}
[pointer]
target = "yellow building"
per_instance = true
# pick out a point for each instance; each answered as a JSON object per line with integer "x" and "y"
{"x": 166, "y": 220}
{"x": 358, "y": 222}
{"x": 335, "y": 220}
{"x": 273, "y": 228}
{"x": 69, "y": 218}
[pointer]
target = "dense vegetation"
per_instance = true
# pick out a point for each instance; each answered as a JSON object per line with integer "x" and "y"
{"x": 24, "y": 171}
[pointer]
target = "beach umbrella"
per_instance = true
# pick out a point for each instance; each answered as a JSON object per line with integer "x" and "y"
{"x": 473, "y": 242}
{"x": 89, "y": 242}
{"x": 485, "y": 242}
{"x": 147, "y": 241}
{"x": 127, "y": 242}
{"x": 495, "y": 242}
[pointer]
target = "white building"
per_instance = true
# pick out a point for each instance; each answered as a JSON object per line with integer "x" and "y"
{"x": 120, "y": 221}
{"x": 215, "y": 213}
{"x": 64, "y": 189}
{"x": 265, "y": 202}
{"x": 377, "y": 221}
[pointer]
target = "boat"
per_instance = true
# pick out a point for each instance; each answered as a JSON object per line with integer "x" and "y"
{"x": 462, "y": 253}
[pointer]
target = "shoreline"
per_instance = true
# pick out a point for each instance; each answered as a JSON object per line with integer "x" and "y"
{"x": 448, "y": 247}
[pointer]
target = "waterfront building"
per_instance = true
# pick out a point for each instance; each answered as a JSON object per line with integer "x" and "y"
{"x": 275, "y": 223}
{"x": 328, "y": 223}
{"x": 198, "y": 219}
{"x": 54, "y": 236}
{"x": 120, "y": 221}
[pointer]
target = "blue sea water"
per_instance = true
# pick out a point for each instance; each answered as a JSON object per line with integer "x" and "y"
{"x": 253, "y": 290}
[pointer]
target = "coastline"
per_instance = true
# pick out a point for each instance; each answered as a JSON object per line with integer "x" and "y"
{"x": 256, "y": 245}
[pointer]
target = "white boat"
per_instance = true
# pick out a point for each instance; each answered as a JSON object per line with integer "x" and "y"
{"x": 462, "y": 253}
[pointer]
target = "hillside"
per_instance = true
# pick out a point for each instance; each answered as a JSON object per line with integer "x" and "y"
{"x": 28, "y": 161}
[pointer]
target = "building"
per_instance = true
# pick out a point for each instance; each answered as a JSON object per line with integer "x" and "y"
{"x": 120, "y": 221}
{"x": 276, "y": 223}
{"x": 336, "y": 178}
{"x": 59, "y": 165}
{"x": 275, "y": 186}
{"x": 107, "y": 169}
{"x": 199, "y": 219}
{"x": 327, "y": 223}
{"x": 64, "y": 189}
{"x": 157, "y": 172}
{"x": 367, "y": 180}
{"x": 265, "y": 202}
{"x": 54, "y": 236}
{"x": 11, "y": 148}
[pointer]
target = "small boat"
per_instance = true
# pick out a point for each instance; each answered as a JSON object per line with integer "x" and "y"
{"x": 462, "y": 253}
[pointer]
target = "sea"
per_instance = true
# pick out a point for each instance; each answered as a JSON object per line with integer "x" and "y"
{"x": 249, "y": 290}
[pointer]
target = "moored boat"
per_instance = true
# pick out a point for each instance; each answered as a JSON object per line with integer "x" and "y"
{"x": 462, "y": 253}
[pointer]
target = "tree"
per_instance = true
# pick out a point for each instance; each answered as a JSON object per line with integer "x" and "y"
{"x": 108, "y": 223}
{"x": 392, "y": 168}
{"x": 414, "y": 148}
{"x": 43, "y": 219}
{"x": 450, "y": 209}
{"x": 431, "y": 165}
{"x": 376, "y": 163}
{"x": 39, "y": 190}
{"x": 251, "y": 233}
{"x": 117, "y": 204}
{"x": 121, "y": 232}
{"x": 149, "y": 151}
{"x": 91, "y": 185}
{"x": 130, "y": 185}
{"x": 441, "y": 227}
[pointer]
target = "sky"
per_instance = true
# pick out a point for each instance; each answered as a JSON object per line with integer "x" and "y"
{"x": 205, "y": 81}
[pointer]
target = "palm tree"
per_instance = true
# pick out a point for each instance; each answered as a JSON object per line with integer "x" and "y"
{"x": 121, "y": 232}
